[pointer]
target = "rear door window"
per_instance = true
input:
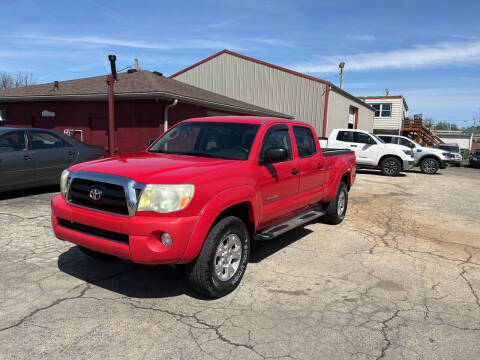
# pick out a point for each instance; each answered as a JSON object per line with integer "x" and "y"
{"x": 305, "y": 141}
{"x": 344, "y": 136}
{"x": 42, "y": 140}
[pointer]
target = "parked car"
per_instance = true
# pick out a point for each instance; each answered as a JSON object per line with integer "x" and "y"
{"x": 201, "y": 192}
{"x": 371, "y": 151}
{"x": 454, "y": 150}
{"x": 429, "y": 159}
{"x": 474, "y": 160}
{"x": 37, "y": 157}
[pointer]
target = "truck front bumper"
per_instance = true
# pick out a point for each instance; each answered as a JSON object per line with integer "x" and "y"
{"x": 407, "y": 164}
{"x": 135, "y": 238}
{"x": 444, "y": 164}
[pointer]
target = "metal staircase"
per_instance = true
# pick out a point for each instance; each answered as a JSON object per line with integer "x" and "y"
{"x": 414, "y": 129}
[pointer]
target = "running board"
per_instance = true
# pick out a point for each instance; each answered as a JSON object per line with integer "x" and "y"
{"x": 286, "y": 225}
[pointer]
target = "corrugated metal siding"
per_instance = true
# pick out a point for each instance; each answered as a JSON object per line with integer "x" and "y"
{"x": 262, "y": 86}
{"x": 394, "y": 122}
{"x": 337, "y": 115}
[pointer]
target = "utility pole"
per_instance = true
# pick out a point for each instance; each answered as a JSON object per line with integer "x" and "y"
{"x": 341, "y": 66}
{"x": 111, "y": 105}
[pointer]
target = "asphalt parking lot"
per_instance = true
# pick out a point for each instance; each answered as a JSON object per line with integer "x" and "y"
{"x": 398, "y": 279}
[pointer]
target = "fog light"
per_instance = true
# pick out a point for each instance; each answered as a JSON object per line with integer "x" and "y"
{"x": 166, "y": 239}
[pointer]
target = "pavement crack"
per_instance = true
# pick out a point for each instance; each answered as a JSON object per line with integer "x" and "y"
{"x": 387, "y": 340}
{"x": 55, "y": 303}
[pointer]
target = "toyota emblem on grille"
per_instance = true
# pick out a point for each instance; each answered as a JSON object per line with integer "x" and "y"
{"x": 95, "y": 194}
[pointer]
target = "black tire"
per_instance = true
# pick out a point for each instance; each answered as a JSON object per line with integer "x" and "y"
{"x": 429, "y": 166}
{"x": 334, "y": 215}
{"x": 95, "y": 254}
{"x": 202, "y": 274}
{"x": 390, "y": 166}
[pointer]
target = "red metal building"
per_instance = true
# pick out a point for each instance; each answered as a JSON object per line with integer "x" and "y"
{"x": 144, "y": 100}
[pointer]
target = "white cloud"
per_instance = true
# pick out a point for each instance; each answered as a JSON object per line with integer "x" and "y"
{"x": 447, "y": 53}
{"x": 105, "y": 41}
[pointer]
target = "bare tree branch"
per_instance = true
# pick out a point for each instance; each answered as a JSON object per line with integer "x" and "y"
{"x": 9, "y": 81}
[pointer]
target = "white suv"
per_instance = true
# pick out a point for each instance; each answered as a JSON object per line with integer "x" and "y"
{"x": 371, "y": 151}
{"x": 429, "y": 159}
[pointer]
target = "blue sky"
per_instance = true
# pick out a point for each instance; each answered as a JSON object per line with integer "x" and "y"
{"x": 428, "y": 51}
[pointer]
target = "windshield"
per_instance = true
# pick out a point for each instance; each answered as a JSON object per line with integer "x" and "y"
{"x": 208, "y": 139}
{"x": 376, "y": 137}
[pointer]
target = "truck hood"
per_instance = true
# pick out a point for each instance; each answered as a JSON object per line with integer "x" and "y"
{"x": 435, "y": 151}
{"x": 145, "y": 167}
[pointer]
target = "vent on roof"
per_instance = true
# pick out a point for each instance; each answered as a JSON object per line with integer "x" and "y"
{"x": 55, "y": 86}
{"x": 131, "y": 71}
{"x": 158, "y": 73}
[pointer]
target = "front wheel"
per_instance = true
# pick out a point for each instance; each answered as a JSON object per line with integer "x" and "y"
{"x": 337, "y": 207}
{"x": 390, "y": 166}
{"x": 429, "y": 166}
{"x": 222, "y": 262}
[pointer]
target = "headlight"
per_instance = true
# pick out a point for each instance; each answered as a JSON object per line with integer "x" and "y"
{"x": 63, "y": 182}
{"x": 165, "y": 198}
{"x": 446, "y": 154}
{"x": 408, "y": 152}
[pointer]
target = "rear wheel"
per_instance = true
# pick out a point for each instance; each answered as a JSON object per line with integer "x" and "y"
{"x": 222, "y": 262}
{"x": 337, "y": 207}
{"x": 429, "y": 166}
{"x": 390, "y": 166}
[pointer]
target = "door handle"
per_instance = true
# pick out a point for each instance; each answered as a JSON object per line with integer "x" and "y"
{"x": 320, "y": 166}
{"x": 353, "y": 145}
{"x": 295, "y": 171}
{"x": 26, "y": 157}
{"x": 70, "y": 153}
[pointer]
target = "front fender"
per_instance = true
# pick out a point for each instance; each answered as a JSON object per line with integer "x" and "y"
{"x": 209, "y": 213}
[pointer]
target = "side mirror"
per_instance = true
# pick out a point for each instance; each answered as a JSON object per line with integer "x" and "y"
{"x": 275, "y": 155}
{"x": 371, "y": 142}
{"x": 150, "y": 141}
{"x": 412, "y": 145}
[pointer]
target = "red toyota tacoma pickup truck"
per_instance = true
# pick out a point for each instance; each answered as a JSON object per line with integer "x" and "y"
{"x": 201, "y": 192}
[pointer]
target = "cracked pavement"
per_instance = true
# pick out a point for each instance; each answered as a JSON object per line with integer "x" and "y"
{"x": 398, "y": 279}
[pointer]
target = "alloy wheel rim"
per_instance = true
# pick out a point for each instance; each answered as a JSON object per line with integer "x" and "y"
{"x": 391, "y": 167}
{"x": 227, "y": 257}
{"x": 341, "y": 203}
{"x": 429, "y": 166}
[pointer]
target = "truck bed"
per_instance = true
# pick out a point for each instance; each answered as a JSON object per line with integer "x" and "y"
{"x": 334, "y": 152}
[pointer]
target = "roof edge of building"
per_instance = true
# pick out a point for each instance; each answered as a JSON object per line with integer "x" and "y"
{"x": 225, "y": 51}
{"x": 351, "y": 97}
{"x": 139, "y": 95}
{"x": 386, "y": 97}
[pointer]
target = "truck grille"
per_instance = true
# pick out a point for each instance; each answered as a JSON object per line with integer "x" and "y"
{"x": 93, "y": 231}
{"x": 112, "y": 197}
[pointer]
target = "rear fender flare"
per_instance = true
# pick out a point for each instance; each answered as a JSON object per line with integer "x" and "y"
{"x": 333, "y": 189}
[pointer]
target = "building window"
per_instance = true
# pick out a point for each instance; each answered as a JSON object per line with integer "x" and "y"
{"x": 382, "y": 110}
